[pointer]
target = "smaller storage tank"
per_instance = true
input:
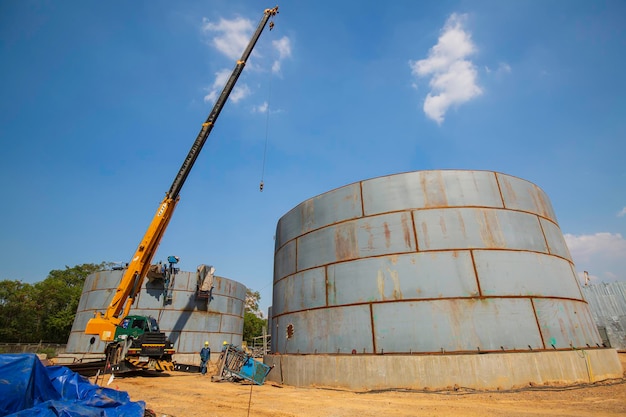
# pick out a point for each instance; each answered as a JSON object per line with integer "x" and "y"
{"x": 187, "y": 320}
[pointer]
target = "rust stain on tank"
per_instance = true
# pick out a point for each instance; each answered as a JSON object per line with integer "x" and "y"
{"x": 461, "y": 223}
{"x": 397, "y": 293}
{"x": 406, "y": 230}
{"x": 355, "y": 198}
{"x": 370, "y": 236}
{"x": 307, "y": 215}
{"x": 442, "y": 224}
{"x": 425, "y": 236}
{"x": 490, "y": 230}
{"x": 218, "y": 282}
{"x": 380, "y": 284}
{"x": 345, "y": 242}
{"x": 539, "y": 202}
{"x": 510, "y": 193}
{"x": 331, "y": 291}
{"x": 387, "y": 234}
{"x": 96, "y": 278}
{"x": 434, "y": 190}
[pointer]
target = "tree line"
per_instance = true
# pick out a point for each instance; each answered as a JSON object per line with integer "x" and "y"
{"x": 45, "y": 311}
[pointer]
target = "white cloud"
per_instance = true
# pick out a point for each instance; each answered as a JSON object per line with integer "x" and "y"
{"x": 239, "y": 92}
{"x": 232, "y": 35}
{"x": 610, "y": 245}
{"x": 503, "y": 67}
{"x": 453, "y": 77}
{"x": 622, "y": 213}
{"x": 602, "y": 254}
{"x": 230, "y": 38}
{"x": 261, "y": 108}
{"x": 283, "y": 46}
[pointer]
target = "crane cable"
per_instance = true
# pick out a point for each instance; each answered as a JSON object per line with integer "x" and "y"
{"x": 267, "y": 124}
{"x": 267, "y": 121}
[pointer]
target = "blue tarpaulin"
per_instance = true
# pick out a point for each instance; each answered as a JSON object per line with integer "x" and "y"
{"x": 27, "y": 388}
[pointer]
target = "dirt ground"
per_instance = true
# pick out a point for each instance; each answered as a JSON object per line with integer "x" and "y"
{"x": 190, "y": 395}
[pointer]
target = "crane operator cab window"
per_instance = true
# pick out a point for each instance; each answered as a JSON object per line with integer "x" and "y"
{"x": 154, "y": 326}
{"x": 140, "y": 324}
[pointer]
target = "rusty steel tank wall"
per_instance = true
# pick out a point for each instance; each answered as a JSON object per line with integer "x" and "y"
{"x": 427, "y": 262}
{"x": 394, "y": 282}
{"x": 188, "y": 321}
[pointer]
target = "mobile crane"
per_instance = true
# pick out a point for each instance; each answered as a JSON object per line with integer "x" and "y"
{"x": 136, "y": 341}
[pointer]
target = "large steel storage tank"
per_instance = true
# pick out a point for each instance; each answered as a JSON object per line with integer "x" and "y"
{"x": 187, "y": 320}
{"x": 370, "y": 275}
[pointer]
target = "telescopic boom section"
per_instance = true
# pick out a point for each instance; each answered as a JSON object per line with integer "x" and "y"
{"x": 104, "y": 325}
{"x": 207, "y": 126}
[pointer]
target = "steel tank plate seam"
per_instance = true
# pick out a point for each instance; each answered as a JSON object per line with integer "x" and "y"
{"x": 431, "y": 299}
{"x": 528, "y": 196}
{"x": 463, "y": 228}
{"x": 505, "y": 209}
{"x": 523, "y": 272}
{"x": 421, "y": 189}
{"x": 424, "y": 251}
{"x": 373, "y": 327}
{"x": 413, "y": 210}
{"x": 543, "y": 233}
{"x": 361, "y": 198}
{"x": 305, "y": 216}
{"x": 580, "y": 289}
{"x": 480, "y": 292}
{"x": 326, "y": 282}
{"x": 495, "y": 175}
{"x": 555, "y": 239}
{"x": 375, "y": 235}
{"x": 414, "y": 228}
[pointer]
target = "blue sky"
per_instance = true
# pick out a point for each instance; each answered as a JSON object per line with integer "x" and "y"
{"x": 101, "y": 101}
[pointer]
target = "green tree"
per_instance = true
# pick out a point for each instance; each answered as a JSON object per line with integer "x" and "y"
{"x": 252, "y": 327}
{"x": 253, "y": 320}
{"x": 43, "y": 311}
{"x": 58, "y": 297}
{"x": 18, "y": 312}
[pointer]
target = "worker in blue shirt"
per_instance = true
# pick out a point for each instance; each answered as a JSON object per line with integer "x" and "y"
{"x": 205, "y": 354}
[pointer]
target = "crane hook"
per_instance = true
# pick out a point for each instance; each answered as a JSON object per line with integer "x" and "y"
{"x": 261, "y": 186}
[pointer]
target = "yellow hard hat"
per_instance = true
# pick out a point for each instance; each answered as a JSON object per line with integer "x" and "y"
{"x": 225, "y": 342}
{"x": 206, "y": 343}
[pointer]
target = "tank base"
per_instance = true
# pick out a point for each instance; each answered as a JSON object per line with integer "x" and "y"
{"x": 491, "y": 371}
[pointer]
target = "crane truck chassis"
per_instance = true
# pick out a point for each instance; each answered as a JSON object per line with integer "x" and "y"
{"x": 136, "y": 342}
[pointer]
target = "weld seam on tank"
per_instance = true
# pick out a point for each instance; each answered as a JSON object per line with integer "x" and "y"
{"x": 499, "y": 189}
{"x": 543, "y": 340}
{"x": 480, "y": 292}
{"x": 414, "y": 209}
{"x": 298, "y": 271}
{"x": 534, "y": 187}
{"x": 431, "y": 299}
{"x": 545, "y": 238}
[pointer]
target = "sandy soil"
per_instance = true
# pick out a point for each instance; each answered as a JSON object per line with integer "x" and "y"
{"x": 189, "y": 395}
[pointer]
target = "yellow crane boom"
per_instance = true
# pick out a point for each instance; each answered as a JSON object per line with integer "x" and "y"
{"x": 105, "y": 324}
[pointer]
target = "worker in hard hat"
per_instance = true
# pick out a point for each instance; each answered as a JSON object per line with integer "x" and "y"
{"x": 205, "y": 355}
